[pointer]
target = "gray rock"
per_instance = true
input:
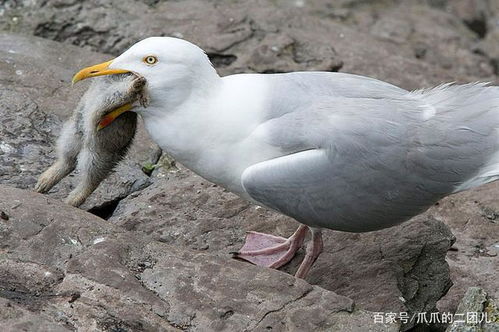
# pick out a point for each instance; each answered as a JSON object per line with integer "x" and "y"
{"x": 489, "y": 47}
{"x": 274, "y": 36}
{"x": 476, "y": 313}
{"x": 65, "y": 269}
{"x": 14, "y": 317}
{"x": 481, "y": 17}
{"x": 473, "y": 13}
{"x": 473, "y": 260}
{"x": 398, "y": 269}
{"x": 436, "y": 36}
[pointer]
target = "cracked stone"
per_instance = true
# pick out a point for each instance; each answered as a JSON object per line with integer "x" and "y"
{"x": 476, "y": 312}
{"x": 407, "y": 261}
{"x": 103, "y": 285}
{"x": 243, "y": 33}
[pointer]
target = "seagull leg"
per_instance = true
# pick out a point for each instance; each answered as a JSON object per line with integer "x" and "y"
{"x": 314, "y": 249}
{"x": 269, "y": 250}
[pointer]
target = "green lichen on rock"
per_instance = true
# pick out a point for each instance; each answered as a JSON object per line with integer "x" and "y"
{"x": 476, "y": 313}
{"x": 492, "y": 311}
{"x": 148, "y": 167}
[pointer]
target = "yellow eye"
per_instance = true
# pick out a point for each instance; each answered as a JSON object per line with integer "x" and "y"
{"x": 150, "y": 59}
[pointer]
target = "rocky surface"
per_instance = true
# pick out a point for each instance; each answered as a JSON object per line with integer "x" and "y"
{"x": 179, "y": 215}
{"x": 398, "y": 269}
{"x": 63, "y": 269}
{"x": 376, "y": 38}
{"x": 476, "y": 312}
{"x": 474, "y": 258}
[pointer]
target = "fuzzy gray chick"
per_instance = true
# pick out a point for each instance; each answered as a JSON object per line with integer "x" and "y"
{"x": 98, "y": 134}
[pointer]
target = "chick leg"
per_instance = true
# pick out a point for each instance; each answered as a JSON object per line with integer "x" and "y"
{"x": 68, "y": 147}
{"x": 94, "y": 168}
{"x": 102, "y": 151}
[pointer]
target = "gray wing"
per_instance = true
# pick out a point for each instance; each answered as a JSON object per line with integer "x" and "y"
{"x": 346, "y": 166}
{"x": 306, "y": 186}
{"x": 365, "y": 163}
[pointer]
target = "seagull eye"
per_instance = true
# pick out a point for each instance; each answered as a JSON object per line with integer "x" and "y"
{"x": 150, "y": 59}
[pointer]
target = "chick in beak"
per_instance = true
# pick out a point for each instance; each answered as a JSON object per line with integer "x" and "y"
{"x": 98, "y": 134}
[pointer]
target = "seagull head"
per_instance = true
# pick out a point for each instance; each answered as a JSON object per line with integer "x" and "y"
{"x": 174, "y": 69}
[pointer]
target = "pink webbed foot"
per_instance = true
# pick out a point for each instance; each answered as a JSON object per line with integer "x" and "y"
{"x": 269, "y": 250}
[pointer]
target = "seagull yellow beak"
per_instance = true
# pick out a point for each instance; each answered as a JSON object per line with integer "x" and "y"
{"x": 97, "y": 70}
{"x": 111, "y": 116}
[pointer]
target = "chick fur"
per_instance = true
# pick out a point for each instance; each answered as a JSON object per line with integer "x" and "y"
{"x": 95, "y": 152}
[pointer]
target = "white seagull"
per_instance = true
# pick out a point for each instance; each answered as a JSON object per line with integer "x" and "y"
{"x": 331, "y": 150}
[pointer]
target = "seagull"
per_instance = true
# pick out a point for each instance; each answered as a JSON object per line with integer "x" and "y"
{"x": 332, "y": 150}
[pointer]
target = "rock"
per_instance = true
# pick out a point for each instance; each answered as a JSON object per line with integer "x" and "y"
{"x": 473, "y": 13}
{"x": 14, "y": 317}
{"x": 273, "y": 36}
{"x": 471, "y": 215}
{"x": 435, "y": 36}
{"x": 411, "y": 45}
{"x": 401, "y": 269}
{"x": 476, "y": 312}
{"x": 35, "y": 98}
{"x": 482, "y": 18}
{"x": 65, "y": 269}
{"x": 489, "y": 47}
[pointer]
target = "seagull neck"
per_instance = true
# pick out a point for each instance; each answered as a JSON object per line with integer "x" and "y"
{"x": 187, "y": 91}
